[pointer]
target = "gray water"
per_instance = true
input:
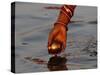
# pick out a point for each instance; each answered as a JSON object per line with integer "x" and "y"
{"x": 32, "y": 25}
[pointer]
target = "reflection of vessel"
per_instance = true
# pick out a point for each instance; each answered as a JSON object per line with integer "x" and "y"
{"x": 55, "y": 47}
{"x": 57, "y": 63}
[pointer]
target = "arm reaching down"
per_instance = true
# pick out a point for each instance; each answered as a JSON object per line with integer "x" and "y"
{"x": 59, "y": 31}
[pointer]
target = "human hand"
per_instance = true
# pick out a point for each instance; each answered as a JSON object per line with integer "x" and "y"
{"x": 58, "y": 33}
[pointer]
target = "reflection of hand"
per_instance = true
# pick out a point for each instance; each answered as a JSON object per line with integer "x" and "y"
{"x": 58, "y": 33}
{"x": 57, "y": 63}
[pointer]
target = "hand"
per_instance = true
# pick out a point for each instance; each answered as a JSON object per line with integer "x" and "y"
{"x": 58, "y": 33}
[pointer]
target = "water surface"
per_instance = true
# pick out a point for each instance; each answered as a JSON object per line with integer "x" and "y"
{"x": 33, "y": 23}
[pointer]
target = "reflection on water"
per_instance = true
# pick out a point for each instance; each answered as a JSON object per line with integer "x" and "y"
{"x": 57, "y": 63}
{"x": 32, "y": 27}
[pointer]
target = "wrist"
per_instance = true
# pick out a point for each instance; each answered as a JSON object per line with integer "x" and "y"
{"x": 62, "y": 25}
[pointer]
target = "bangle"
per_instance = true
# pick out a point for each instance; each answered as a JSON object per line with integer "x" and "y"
{"x": 62, "y": 24}
{"x": 66, "y": 15}
{"x": 68, "y": 10}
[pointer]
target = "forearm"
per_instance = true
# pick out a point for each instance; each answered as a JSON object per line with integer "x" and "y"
{"x": 65, "y": 14}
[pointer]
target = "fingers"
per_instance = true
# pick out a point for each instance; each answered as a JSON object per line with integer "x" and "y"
{"x": 64, "y": 45}
{"x": 64, "y": 40}
{"x": 52, "y": 35}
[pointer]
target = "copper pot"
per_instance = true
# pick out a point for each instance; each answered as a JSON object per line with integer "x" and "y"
{"x": 55, "y": 48}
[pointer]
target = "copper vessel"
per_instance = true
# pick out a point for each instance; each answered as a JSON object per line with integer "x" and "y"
{"x": 55, "y": 48}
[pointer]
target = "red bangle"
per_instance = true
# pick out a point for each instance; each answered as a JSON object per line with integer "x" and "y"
{"x": 68, "y": 10}
{"x": 62, "y": 24}
{"x": 66, "y": 15}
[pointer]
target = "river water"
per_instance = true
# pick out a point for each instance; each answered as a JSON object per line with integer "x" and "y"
{"x": 33, "y": 23}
